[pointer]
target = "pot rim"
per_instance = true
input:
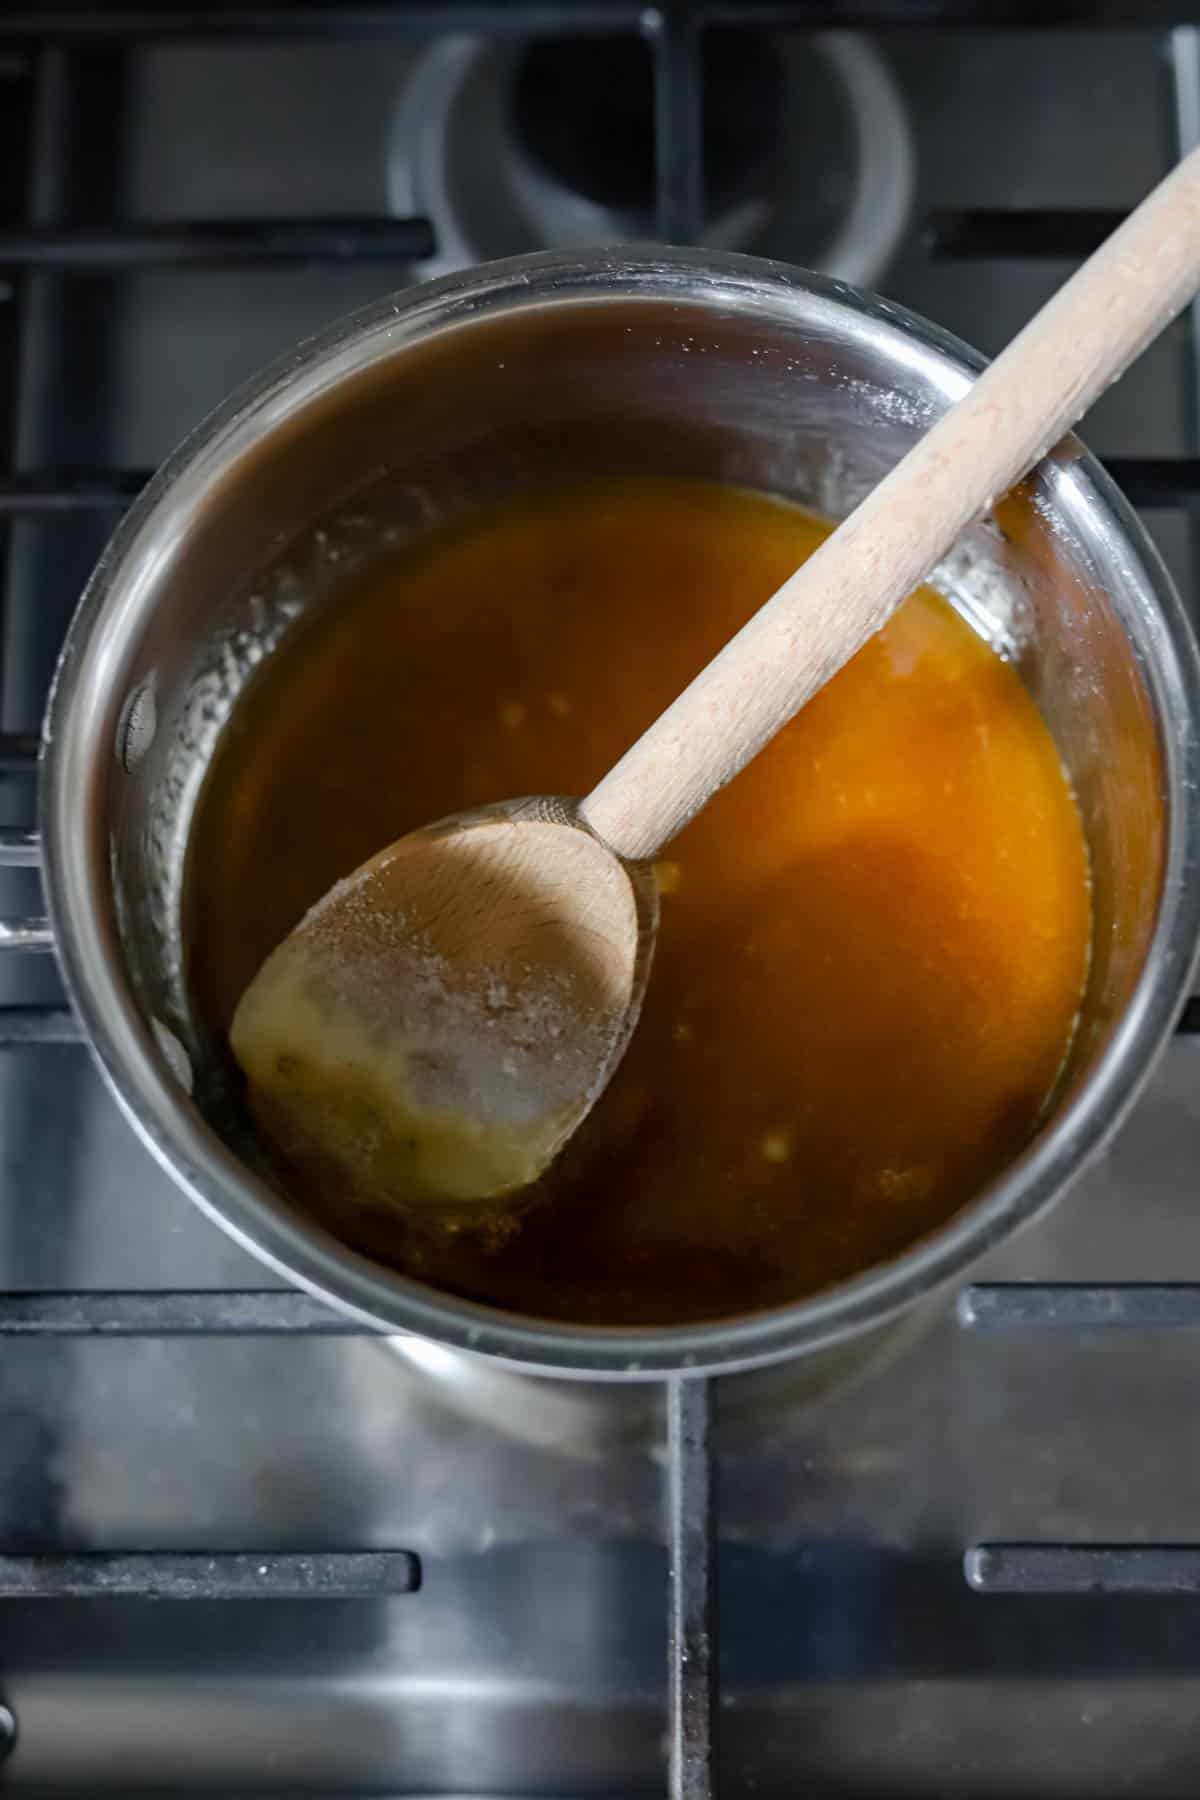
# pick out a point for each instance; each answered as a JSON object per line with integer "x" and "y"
{"x": 76, "y": 861}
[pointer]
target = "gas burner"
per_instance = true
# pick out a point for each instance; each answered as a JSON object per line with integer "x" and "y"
{"x": 548, "y": 144}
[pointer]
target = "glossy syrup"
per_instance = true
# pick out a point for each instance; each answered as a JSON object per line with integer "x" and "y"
{"x": 873, "y": 943}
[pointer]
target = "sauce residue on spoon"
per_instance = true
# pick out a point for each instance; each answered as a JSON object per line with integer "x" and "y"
{"x": 873, "y": 943}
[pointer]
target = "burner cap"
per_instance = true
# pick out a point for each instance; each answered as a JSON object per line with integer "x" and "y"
{"x": 582, "y": 111}
{"x": 511, "y": 146}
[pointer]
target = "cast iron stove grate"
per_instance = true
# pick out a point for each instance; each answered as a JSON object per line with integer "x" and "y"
{"x": 65, "y": 57}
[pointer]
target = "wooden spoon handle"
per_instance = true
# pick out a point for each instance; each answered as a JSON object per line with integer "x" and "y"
{"x": 1082, "y": 340}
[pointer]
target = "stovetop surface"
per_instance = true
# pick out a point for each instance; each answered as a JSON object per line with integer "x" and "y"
{"x": 856, "y": 1658}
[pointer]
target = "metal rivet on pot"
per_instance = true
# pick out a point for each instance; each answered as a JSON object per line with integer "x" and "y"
{"x": 137, "y": 725}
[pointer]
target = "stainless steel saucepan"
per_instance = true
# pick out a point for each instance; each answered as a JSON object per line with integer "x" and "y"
{"x": 475, "y": 386}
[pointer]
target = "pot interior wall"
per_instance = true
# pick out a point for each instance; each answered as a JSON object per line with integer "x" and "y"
{"x": 779, "y": 403}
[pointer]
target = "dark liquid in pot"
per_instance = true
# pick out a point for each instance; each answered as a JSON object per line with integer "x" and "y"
{"x": 873, "y": 943}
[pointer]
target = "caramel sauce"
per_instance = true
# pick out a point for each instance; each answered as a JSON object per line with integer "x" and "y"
{"x": 873, "y": 943}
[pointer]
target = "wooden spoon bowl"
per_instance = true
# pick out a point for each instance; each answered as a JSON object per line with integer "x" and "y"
{"x": 441, "y": 1021}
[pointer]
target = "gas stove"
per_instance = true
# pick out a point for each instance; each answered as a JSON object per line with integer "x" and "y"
{"x": 247, "y": 1547}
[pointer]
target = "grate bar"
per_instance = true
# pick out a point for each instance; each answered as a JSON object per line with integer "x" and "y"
{"x": 69, "y": 490}
{"x": 197, "y": 1575}
{"x": 21, "y": 1025}
{"x": 678, "y": 124}
{"x": 1079, "y": 1306}
{"x": 33, "y": 933}
{"x": 1083, "y": 1568}
{"x": 214, "y": 242}
{"x": 19, "y": 848}
{"x": 1184, "y": 53}
{"x": 310, "y": 18}
{"x": 1059, "y": 234}
{"x": 174, "y": 1312}
{"x": 976, "y": 15}
{"x": 1152, "y": 481}
{"x": 18, "y": 751}
{"x": 692, "y": 1589}
{"x": 173, "y": 19}
{"x": 259, "y": 1312}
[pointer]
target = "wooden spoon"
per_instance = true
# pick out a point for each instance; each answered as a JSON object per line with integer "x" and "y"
{"x": 440, "y": 1023}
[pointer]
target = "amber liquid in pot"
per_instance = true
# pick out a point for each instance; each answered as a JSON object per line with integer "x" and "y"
{"x": 873, "y": 944}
